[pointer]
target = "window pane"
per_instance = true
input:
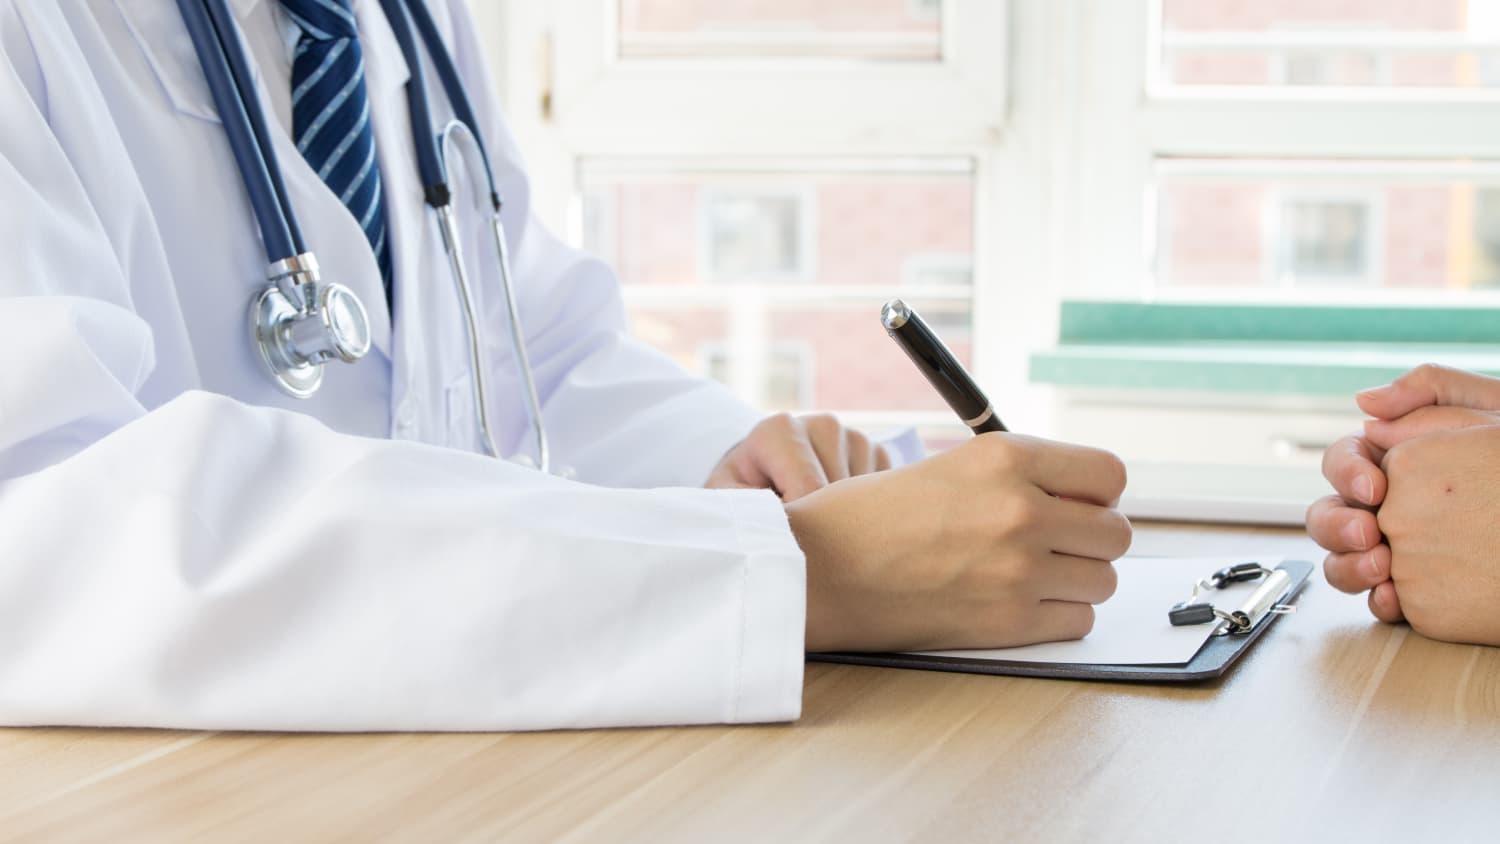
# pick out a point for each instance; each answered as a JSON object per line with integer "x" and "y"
{"x": 1410, "y": 43}
{"x": 769, "y": 276}
{"x": 860, "y": 29}
{"x": 756, "y": 235}
{"x": 1331, "y": 225}
{"x": 850, "y": 363}
{"x": 901, "y": 225}
{"x": 817, "y": 355}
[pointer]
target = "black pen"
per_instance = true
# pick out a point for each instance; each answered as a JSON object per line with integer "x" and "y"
{"x": 940, "y": 367}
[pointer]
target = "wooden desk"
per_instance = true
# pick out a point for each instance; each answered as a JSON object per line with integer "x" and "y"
{"x": 1334, "y": 726}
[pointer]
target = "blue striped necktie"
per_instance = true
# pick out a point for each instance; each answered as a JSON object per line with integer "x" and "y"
{"x": 331, "y": 115}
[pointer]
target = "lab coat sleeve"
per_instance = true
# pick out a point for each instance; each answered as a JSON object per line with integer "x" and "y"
{"x": 619, "y": 412}
{"x": 207, "y": 564}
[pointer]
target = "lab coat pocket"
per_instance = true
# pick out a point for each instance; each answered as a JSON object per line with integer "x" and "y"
{"x": 158, "y": 29}
{"x": 458, "y": 397}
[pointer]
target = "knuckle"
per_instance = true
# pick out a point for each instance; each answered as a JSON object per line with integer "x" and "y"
{"x": 1113, "y": 473}
{"x": 1020, "y": 515}
{"x": 1337, "y": 456}
{"x": 857, "y": 440}
{"x": 1398, "y": 460}
{"x": 1313, "y": 517}
{"x": 1390, "y": 522}
{"x": 1428, "y": 372}
{"x": 773, "y": 428}
{"x": 1322, "y": 525}
{"x": 1109, "y": 582}
{"x": 1005, "y": 455}
{"x": 1016, "y": 575}
{"x": 1336, "y": 572}
{"x": 1122, "y": 534}
{"x": 821, "y": 423}
{"x": 1082, "y": 623}
{"x": 1331, "y": 572}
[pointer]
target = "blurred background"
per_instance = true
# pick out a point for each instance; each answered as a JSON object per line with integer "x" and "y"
{"x": 1187, "y": 230}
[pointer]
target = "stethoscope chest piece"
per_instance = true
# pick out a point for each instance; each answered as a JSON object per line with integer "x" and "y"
{"x": 298, "y": 324}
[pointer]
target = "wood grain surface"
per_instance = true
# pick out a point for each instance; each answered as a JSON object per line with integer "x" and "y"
{"x": 1333, "y": 728}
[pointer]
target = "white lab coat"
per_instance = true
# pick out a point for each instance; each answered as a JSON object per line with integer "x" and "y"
{"x": 181, "y": 545}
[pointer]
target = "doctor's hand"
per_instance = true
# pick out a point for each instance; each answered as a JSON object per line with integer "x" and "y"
{"x": 1005, "y": 540}
{"x": 797, "y": 455}
{"x": 1426, "y": 400}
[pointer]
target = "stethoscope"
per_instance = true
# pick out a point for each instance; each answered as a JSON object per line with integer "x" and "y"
{"x": 298, "y": 322}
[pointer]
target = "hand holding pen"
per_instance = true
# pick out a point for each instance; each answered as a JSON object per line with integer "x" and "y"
{"x": 1003, "y": 540}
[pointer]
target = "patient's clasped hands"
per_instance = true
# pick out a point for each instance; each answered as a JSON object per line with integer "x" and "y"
{"x": 1007, "y": 540}
{"x": 1414, "y": 520}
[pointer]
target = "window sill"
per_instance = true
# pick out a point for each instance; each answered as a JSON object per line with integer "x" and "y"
{"x": 1293, "y": 368}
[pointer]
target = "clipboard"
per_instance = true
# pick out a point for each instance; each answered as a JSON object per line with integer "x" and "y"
{"x": 1217, "y": 655}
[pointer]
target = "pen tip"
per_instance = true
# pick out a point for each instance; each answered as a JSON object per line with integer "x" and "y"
{"x": 894, "y": 314}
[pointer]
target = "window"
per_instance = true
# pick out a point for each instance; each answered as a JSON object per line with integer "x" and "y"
{"x": 1384, "y": 43}
{"x": 768, "y": 274}
{"x": 765, "y": 175}
{"x": 1252, "y": 224}
{"x": 1183, "y": 229}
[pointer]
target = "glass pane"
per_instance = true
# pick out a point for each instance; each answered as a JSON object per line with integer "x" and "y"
{"x": 814, "y": 356}
{"x": 1330, "y": 225}
{"x": 900, "y": 229}
{"x": 848, "y": 363}
{"x": 694, "y": 336}
{"x": 1402, "y": 43}
{"x": 754, "y": 235}
{"x": 861, "y": 29}
{"x": 770, "y": 278}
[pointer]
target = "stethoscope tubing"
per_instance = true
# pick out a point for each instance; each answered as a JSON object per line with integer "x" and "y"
{"x": 244, "y": 79}
{"x": 432, "y": 159}
{"x": 231, "y": 84}
{"x": 430, "y": 163}
{"x": 458, "y": 97}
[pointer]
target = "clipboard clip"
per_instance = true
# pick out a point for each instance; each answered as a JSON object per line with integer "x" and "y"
{"x": 1265, "y": 600}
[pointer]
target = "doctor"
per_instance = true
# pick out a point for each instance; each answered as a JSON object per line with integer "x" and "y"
{"x": 182, "y": 544}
